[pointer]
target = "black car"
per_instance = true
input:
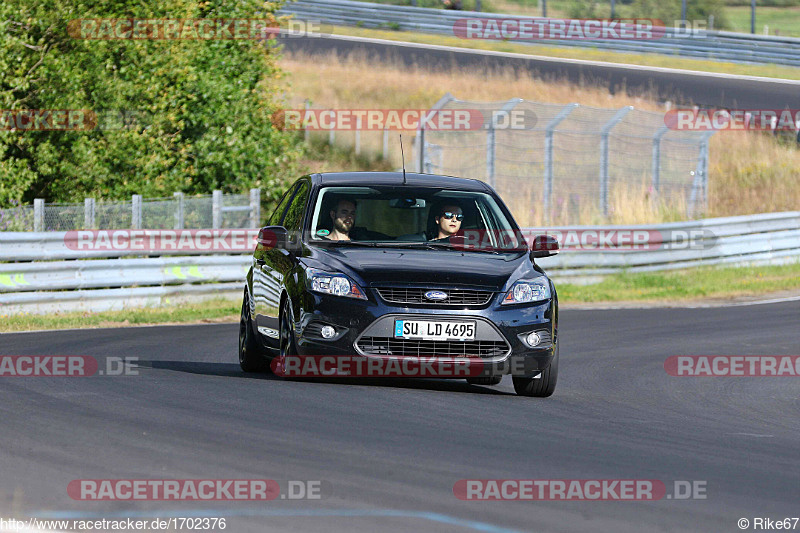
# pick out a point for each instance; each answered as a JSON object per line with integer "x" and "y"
{"x": 394, "y": 266}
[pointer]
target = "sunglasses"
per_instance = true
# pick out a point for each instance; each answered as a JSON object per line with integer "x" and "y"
{"x": 450, "y": 216}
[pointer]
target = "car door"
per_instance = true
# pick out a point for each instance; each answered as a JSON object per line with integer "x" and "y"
{"x": 264, "y": 305}
{"x": 271, "y": 264}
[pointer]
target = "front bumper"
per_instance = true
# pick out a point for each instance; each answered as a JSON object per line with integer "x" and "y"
{"x": 354, "y": 320}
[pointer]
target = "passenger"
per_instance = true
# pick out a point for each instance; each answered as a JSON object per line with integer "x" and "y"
{"x": 448, "y": 221}
{"x": 344, "y": 218}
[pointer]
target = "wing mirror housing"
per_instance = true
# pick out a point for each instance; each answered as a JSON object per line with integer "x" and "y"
{"x": 278, "y": 237}
{"x": 544, "y": 246}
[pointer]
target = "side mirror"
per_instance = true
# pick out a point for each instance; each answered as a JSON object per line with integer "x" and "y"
{"x": 544, "y": 246}
{"x": 276, "y": 237}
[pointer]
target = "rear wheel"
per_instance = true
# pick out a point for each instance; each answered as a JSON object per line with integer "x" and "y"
{"x": 542, "y": 386}
{"x": 251, "y": 357}
{"x": 485, "y": 380}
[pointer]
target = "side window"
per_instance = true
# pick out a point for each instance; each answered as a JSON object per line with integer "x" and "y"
{"x": 277, "y": 215}
{"x": 294, "y": 215}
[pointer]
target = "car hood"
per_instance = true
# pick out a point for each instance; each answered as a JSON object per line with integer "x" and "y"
{"x": 391, "y": 266}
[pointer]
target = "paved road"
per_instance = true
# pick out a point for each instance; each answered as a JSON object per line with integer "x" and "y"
{"x": 675, "y": 85}
{"x": 390, "y": 452}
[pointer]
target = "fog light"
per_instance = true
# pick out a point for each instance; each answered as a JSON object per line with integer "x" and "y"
{"x": 327, "y": 332}
{"x": 533, "y": 339}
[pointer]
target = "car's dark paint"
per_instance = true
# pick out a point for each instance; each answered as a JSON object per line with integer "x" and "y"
{"x": 277, "y": 274}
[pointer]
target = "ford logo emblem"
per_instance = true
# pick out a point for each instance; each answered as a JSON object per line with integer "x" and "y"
{"x": 436, "y": 296}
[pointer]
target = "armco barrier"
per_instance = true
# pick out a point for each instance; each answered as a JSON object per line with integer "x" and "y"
{"x": 713, "y": 45}
{"x": 43, "y": 274}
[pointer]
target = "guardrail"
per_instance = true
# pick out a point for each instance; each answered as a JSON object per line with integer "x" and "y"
{"x": 771, "y": 238}
{"x": 77, "y": 279}
{"x": 704, "y": 44}
{"x": 178, "y": 212}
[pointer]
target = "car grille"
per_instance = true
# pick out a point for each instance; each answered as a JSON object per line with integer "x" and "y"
{"x": 417, "y": 296}
{"x": 394, "y": 346}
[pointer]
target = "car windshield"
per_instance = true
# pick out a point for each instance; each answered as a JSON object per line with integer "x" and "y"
{"x": 412, "y": 217}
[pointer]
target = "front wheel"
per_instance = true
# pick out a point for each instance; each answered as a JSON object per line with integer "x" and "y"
{"x": 287, "y": 344}
{"x": 542, "y": 386}
{"x": 251, "y": 357}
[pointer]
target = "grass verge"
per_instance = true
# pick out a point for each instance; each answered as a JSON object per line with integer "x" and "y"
{"x": 209, "y": 311}
{"x": 749, "y": 172}
{"x": 705, "y": 283}
{"x": 651, "y": 60}
{"x": 717, "y": 283}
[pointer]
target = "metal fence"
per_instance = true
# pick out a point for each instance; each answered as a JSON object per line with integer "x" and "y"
{"x": 215, "y": 210}
{"x": 569, "y": 164}
{"x": 120, "y": 279}
{"x": 573, "y": 164}
{"x": 713, "y": 45}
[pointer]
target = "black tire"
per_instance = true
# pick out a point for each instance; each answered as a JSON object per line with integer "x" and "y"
{"x": 540, "y": 387}
{"x": 286, "y": 345}
{"x": 485, "y": 380}
{"x": 251, "y": 356}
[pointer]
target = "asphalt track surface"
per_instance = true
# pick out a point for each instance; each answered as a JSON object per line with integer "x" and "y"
{"x": 389, "y": 452}
{"x": 679, "y": 86}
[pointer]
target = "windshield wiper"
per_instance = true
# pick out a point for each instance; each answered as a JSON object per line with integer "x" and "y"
{"x": 348, "y": 243}
{"x": 415, "y": 244}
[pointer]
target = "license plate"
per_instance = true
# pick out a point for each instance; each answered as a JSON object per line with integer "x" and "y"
{"x": 434, "y": 330}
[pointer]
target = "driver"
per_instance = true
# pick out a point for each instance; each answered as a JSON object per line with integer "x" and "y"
{"x": 448, "y": 221}
{"x": 344, "y": 218}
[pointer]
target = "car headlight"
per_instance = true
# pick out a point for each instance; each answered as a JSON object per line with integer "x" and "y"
{"x": 528, "y": 291}
{"x": 332, "y": 283}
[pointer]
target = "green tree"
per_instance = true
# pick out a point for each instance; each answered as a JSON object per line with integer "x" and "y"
{"x": 201, "y": 108}
{"x": 668, "y": 11}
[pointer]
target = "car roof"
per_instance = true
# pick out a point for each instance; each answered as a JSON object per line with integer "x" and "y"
{"x": 396, "y": 178}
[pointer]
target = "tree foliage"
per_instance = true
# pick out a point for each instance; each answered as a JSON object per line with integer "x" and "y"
{"x": 201, "y": 109}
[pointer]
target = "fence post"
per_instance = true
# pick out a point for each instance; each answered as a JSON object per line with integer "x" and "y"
{"x": 548, "y": 158}
{"x": 656, "y": 171}
{"x": 604, "y": 156}
{"x": 305, "y": 130}
{"x": 491, "y": 147}
{"x": 88, "y": 213}
{"x": 38, "y": 214}
{"x": 421, "y": 147}
{"x": 136, "y": 211}
{"x": 179, "y": 222}
{"x": 700, "y": 182}
{"x": 491, "y": 140}
{"x": 255, "y": 208}
{"x": 331, "y": 136}
{"x": 216, "y": 209}
{"x": 385, "y": 144}
{"x": 421, "y": 131}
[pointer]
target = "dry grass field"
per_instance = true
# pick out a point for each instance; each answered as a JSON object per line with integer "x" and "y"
{"x": 748, "y": 172}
